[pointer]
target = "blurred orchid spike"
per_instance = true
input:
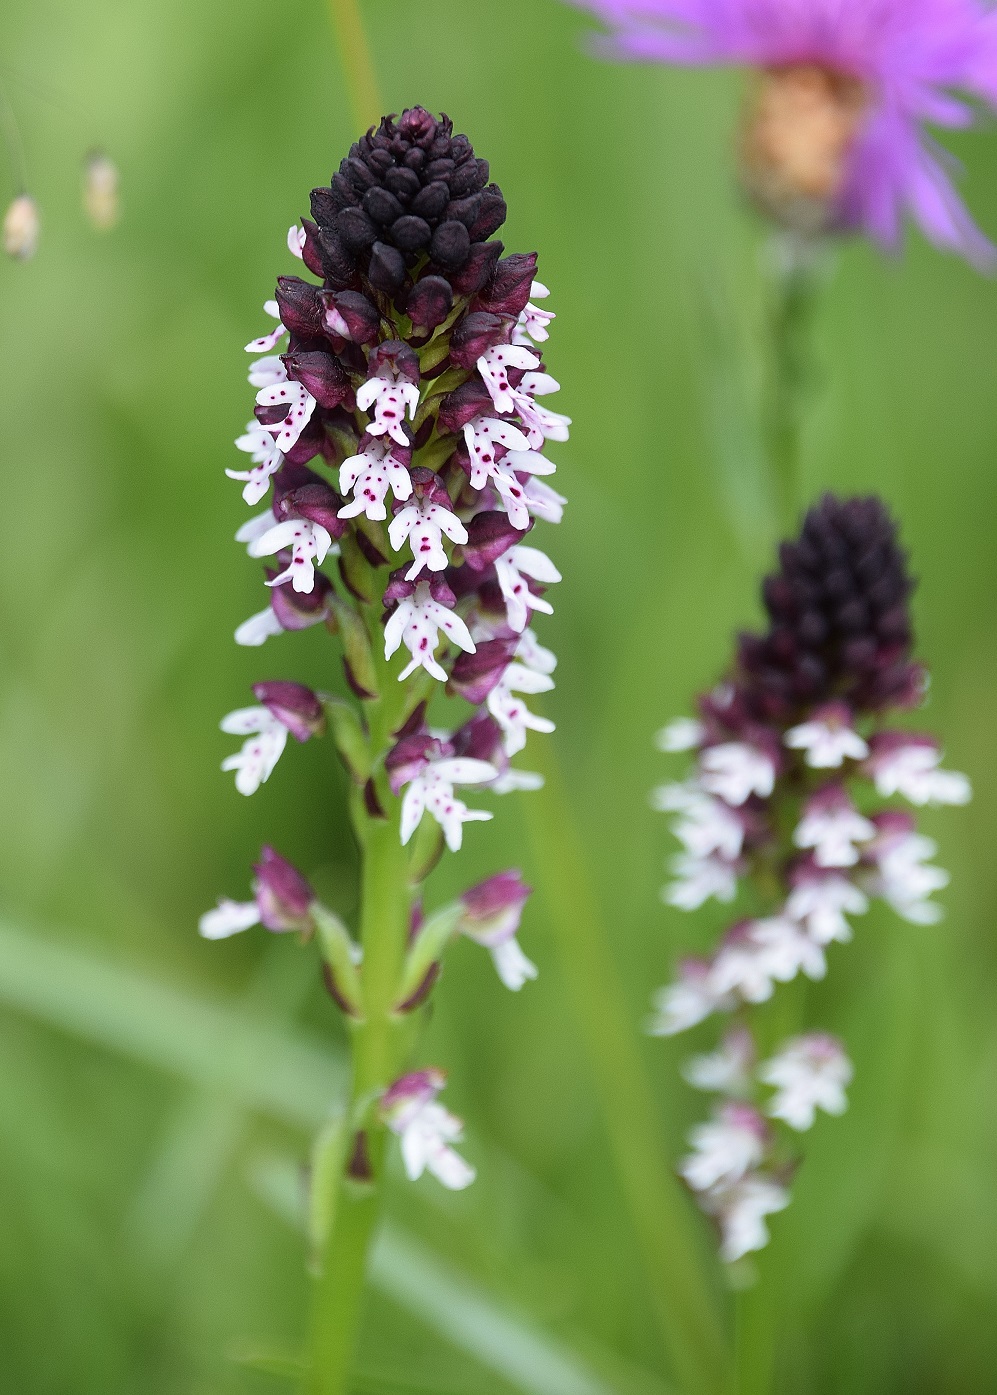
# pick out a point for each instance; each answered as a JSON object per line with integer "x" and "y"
{"x": 791, "y": 754}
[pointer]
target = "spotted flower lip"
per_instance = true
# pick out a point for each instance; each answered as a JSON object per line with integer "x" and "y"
{"x": 905, "y": 61}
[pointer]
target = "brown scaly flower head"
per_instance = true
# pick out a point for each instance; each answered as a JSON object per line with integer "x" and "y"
{"x": 399, "y": 431}
{"x": 785, "y": 808}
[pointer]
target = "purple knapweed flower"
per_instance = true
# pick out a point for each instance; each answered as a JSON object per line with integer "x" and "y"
{"x": 792, "y": 751}
{"x": 833, "y": 136}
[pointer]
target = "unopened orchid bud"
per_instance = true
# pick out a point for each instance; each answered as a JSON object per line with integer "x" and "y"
{"x": 321, "y": 374}
{"x": 429, "y": 303}
{"x": 351, "y": 316}
{"x": 475, "y": 675}
{"x": 101, "y": 191}
{"x": 475, "y": 334}
{"x": 283, "y": 895}
{"x": 21, "y": 227}
{"x": 300, "y": 306}
{"x": 509, "y": 289}
{"x": 294, "y": 705}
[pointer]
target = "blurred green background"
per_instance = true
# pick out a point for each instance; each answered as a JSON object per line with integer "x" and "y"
{"x": 157, "y": 1092}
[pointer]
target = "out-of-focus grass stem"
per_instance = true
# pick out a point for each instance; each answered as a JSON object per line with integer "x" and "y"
{"x": 12, "y": 140}
{"x": 793, "y": 287}
{"x": 685, "y": 1306}
{"x": 357, "y": 63}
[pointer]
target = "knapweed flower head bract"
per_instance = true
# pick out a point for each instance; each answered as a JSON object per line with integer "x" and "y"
{"x": 798, "y": 812}
{"x": 834, "y": 135}
{"x": 396, "y": 444}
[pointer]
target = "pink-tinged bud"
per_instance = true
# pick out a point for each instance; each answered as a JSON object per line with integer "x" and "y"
{"x": 489, "y": 536}
{"x": 21, "y": 227}
{"x": 474, "y": 334}
{"x": 394, "y": 359}
{"x": 321, "y": 374}
{"x": 478, "y": 268}
{"x": 283, "y": 895}
{"x": 294, "y": 705}
{"x": 429, "y": 303}
{"x": 480, "y": 738}
{"x": 315, "y": 501}
{"x": 494, "y": 908}
{"x": 298, "y": 610}
{"x": 470, "y": 400}
{"x": 409, "y": 755}
{"x": 475, "y": 675}
{"x": 311, "y": 253}
{"x": 300, "y": 307}
{"x": 351, "y": 316}
{"x": 101, "y": 182}
{"x": 510, "y": 287}
{"x": 404, "y": 1099}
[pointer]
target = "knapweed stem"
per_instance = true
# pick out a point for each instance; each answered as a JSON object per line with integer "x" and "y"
{"x": 356, "y": 60}
{"x": 793, "y": 279}
{"x": 685, "y": 1306}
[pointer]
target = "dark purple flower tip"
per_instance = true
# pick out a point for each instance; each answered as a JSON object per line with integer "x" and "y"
{"x": 300, "y": 307}
{"x": 475, "y": 333}
{"x": 509, "y": 289}
{"x": 478, "y": 268}
{"x": 294, "y": 705}
{"x": 298, "y": 610}
{"x": 311, "y": 252}
{"x": 283, "y": 895}
{"x": 401, "y": 361}
{"x": 317, "y": 502}
{"x": 350, "y": 315}
{"x": 480, "y": 738}
{"x": 489, "y": 536}
{"x": 475, "y": 675}
{"x": 414, "y": 722}
{"x": 289, "y": 477}
{"x": 463, "y": 404}
{"x": 321, "y": 374}
{"x": 491, "y": 214}
{"x": 429, "y": 303}
{"x": 493, "y": 908}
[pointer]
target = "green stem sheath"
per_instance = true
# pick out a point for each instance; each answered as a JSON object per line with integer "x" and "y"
{"x": 685, "y": 1303}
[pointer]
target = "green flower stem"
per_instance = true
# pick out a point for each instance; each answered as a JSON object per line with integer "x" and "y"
{"x": 356, "y": 61}
{"x": 380, "y": 1044}
{"x": 792, "y": 302}
{"x": 685, "y": 1303}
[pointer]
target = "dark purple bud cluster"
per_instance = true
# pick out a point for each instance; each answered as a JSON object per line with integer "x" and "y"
{"x": 409, "y": 204}
{"x": 840, "y": 624}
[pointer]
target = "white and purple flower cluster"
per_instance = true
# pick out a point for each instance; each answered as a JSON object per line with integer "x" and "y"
{"x": 793, "y": 764}
{"x": 398, "y": 433}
